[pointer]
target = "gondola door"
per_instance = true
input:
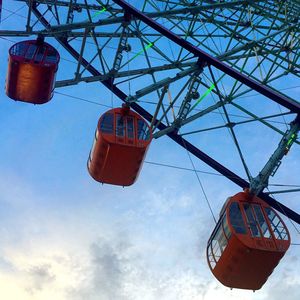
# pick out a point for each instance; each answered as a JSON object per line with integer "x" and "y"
{"x": 125, "y": 129}
{"x": 258, "y": 227}
{"x": 130, "y": 130}
{"x": 120, "y": 128}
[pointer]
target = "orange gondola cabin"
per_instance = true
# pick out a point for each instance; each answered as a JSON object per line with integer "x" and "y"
{"x": 32, "y": 66}
{"x": 121, "y": 142}
{"x": 247, "y": 243}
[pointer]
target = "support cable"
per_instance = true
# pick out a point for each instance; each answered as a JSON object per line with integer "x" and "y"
{"x": 199, "y": 181}
{"x": 230, "y": 126}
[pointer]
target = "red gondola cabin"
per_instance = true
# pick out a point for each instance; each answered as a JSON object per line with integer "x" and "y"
{"x": 32, "y": 66}
{"x": 121, "y": 142}
{"x": 247, "y": 243}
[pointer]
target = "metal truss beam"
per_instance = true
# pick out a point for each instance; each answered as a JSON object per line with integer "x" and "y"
{"x": 74, "y": 6}
{"x": 164, "y": 82}
{"x": 173, "y": 135}
{"x": 134, "y": 72}
{"x": 192, "y": 9}
{"x": 210, "y": 60}
{"x": 260, "y": 182}
{"x": 81, "y": 34}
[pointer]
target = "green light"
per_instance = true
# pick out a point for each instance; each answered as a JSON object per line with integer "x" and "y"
{"x": 141, "y": 52}
{"x": 99, "y": 12}
{"x": 291, "y": 140}
{"x": 206, "y": 93}
{"x": 203, "y": 96}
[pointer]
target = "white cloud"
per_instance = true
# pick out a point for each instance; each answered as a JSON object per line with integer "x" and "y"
{"x": 41, "y": 275}
{"x": 150, "y": 246}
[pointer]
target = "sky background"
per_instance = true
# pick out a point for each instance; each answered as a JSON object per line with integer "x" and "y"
{"x": 63, "y": 236}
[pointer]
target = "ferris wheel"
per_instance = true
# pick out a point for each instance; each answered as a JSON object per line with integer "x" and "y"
{"x": 219, "y": 78}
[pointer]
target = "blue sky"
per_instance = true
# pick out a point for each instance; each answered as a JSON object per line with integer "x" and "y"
{"x": 64, "y": 236}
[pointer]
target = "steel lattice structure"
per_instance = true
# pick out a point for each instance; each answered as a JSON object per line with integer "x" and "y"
{"x": 189, "y": 66}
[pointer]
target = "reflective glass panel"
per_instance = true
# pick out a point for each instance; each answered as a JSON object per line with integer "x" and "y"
{"x": 142, "y": 130}
{"x": 19, "y": 49}
{"x": 251, "y": 220}
{"x": 130, "y": 128}
{"x": 30, "y": 51}
{"x": 236, "y": 218}
{"x": 226, "y": 227}
{"x": 107, "y": 123}
{"x": 262, "y": 221}
{"x": 211, "y": 258}
{"x": 120, "y": 129}
{"x": 52, "y": 56}
{"x": 277, "y": 226}
{"x": 40, "y": 54}
{"x": 218, "y": 243}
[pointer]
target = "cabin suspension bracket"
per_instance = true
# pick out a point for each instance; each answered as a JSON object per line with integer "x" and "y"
{"x": 123, "y": 46}
{"x": 259, "y": 182}
{"x": 192, "y": 94}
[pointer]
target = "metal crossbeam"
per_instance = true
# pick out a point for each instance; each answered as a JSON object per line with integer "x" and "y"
{"x": 261, "y": 180}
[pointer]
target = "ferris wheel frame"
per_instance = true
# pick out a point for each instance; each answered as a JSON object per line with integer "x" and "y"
{"x": 205, "y": 60}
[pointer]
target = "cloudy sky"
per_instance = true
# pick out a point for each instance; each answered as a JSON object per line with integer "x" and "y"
{"x": 63, "y": 236}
